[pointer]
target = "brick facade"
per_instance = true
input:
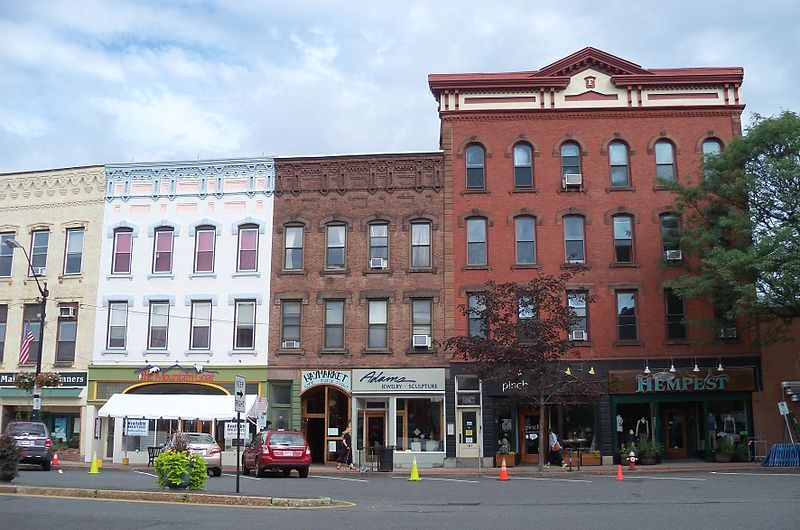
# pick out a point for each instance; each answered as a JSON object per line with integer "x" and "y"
{"x": 780, "y": 362}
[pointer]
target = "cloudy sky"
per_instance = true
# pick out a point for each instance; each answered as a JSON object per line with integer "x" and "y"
{"x": 86, "y": 82}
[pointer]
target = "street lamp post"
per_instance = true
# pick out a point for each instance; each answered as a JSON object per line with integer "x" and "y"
{"x": 37, "y": 390}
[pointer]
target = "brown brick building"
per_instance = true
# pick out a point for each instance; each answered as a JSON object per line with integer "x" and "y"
{"x": 357, "y": 305}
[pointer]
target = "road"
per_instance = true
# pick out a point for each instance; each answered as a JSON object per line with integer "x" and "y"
{"x": 703, "y": 500}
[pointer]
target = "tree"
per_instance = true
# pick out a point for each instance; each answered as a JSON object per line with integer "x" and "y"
{"x": 741, "y": 227}
{"x": 519, "y": 331}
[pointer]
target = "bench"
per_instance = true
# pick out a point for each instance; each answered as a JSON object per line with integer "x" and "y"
{"x": 152, "y": 453}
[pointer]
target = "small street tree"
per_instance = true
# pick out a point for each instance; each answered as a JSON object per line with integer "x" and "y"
{"x": 741, "y": 226}
{"x": 520, "y": 332}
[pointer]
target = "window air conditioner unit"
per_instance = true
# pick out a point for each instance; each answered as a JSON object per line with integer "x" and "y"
{"x": 377, "y": 263}
{"x": 421, "y": 341}
{"x": 573, "y": 179}
{"x": 291, "y": 344}
{"x": 727, "y": 333}
{"x": 66, "y": 312}
{"x": 39, "y": 271}
{"x": 577, "y": 334}
{"x": 673, "y": 255}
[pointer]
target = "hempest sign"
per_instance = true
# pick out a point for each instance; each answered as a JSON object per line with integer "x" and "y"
{"x": 681, "y": 381}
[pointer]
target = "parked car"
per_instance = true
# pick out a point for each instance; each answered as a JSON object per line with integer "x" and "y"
{"x": 277, "y": 451}
{"x": 203, "y": 444}
{"x": 33, "y": 439}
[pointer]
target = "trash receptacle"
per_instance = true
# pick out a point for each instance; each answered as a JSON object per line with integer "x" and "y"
{"x": 385, "y": 455}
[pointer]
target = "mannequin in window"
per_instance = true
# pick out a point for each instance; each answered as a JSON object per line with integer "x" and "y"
{"x": 711, "y": 428}
{"x": 729, "y": 428}
{"x": 620, "y": 430}
{"x": 643, "y": 429}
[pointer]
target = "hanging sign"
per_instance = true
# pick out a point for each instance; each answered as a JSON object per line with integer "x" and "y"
{"x": 681, "y": 381}
{"x": 311, "y": 378}
{"x": 136, "y": 427}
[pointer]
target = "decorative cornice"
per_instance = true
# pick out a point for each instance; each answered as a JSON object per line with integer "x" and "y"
{"x": 83, "y": 181}
{"x": 584, "y": 114}
{"x": 44, "y": 206}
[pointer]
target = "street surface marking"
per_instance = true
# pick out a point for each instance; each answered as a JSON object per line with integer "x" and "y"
{"x": 340, "y": 478}
{"x": 551, "y": 479}
{"x": 691, "y": 479}
{"x": 243, "y": 476}
{"x": 444, "y": 479}
{"x": 756, "y": 474}
{"x": 145, "y": 473}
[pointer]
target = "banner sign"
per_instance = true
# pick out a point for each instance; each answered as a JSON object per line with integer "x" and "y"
{"x": 134, "y": 427}
{"x": 399, "y": 380}
{"x": 681, "y": 381}
{"x": 311, "y": 378}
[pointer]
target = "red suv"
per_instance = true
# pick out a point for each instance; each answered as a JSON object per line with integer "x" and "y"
{"x": 277, "y": 451}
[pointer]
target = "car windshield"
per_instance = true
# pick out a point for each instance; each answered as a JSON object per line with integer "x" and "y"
{"x": 199, "y": 438}
{"x": 286, "y": 438}
{"x": 29, "y": 429}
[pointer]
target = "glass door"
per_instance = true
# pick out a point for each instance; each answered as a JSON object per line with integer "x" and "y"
{"x": 468, "y": 433}
{"x": 675, "y": 429}
{"x": 529, "y": 430}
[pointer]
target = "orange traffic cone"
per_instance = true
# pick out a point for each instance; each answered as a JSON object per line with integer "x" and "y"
{"x": 55, "y": 460}
{"x": 619, "y": 473}
{"x": 503, "y": 470}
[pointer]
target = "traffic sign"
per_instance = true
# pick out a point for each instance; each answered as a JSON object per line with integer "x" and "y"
{"x": 239, "y": 393}
{"x": 783, "y": 408}
{"x": 37, "y": 403}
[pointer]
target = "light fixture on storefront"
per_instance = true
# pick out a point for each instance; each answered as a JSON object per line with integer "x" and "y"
{"x": 591, "y": 370}
{"x": 696, "y": 368}
{"x": 671, "y": 367}
{"x": 646, "y": 367}
{"x": 568, "y": 371}
{"x": 719, "y": 367}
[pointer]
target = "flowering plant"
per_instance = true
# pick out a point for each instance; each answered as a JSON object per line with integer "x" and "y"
{"x": 28, "y": 380}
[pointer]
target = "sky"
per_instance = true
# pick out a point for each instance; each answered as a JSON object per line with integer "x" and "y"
{"x": 92, "y": 82}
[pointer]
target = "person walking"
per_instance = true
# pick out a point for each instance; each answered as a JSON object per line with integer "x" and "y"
{"x": 555, "y": 451}
{"x": 346, "y": 454}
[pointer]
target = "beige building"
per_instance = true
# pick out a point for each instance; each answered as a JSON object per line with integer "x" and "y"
{"x": 57, "y": 218}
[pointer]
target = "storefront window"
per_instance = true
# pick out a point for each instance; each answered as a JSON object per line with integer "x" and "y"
{"x": 506, "y": 439}
{"x": 423, "y": 429}
{"x": 633, "y": 423}
{"x": 726, "y": 421}
{"x": 578, "y": 426}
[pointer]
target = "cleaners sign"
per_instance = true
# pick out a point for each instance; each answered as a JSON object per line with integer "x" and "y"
{"x": 398, "y": 380}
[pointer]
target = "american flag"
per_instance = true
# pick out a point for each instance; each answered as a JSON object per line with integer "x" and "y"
{"x": 25, "y": 349}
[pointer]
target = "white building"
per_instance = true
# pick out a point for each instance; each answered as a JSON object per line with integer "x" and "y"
{"x": 184, "y": 276}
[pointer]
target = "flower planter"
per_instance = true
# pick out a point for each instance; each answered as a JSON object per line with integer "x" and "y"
{"x": 647, "y": 460}
{"x": 183, "y": 484}
{"x": 722, "y": 459}
{"x": 510, "y": 460}
{"x": 8, "y": 473}
{"x": 588, "y": 459}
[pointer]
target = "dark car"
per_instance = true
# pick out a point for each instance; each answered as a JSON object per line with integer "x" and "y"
{"x": 33, "y": 439}
{"x": 277, "y": 451}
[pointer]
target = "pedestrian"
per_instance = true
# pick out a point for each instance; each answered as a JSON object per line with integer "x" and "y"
{"x": 346, "y": 454}
{"x": 554, "y": 455}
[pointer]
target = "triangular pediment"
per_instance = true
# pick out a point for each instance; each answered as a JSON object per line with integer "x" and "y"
{"x": 591, "y": 58}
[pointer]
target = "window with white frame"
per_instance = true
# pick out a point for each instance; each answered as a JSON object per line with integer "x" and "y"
{"x": 162, "y": 251}
{"x": 201, "y": 325}
{"x": 421, "y": 317}
{"x": 573, "y": 239}
{"x": 627, "y": 329}
{"x": 623, "y": 238}
{"x": 245, "y": 333}
{"x": 293, "y": 252}
{"x": 420, "y": 245}
{"x": 618, "y": 162}
{"x": 570, "y": 158}
{"x": 523, "y": 166}
{"x": 525, "y": 232}
{"x": 290, "y": 324}
{"x": 6, "y": 254}
{"x": 578, "y": 312}
{"x": 334, "y": 324}
{"x": 73, "y": 255}
{"x": 475, "y": 171}
{"x": 476, "y": 241}
{"x": 379, "y": 242}
{"x": 247, "y": 254}
{"x": 123, "y": 247}
{"x": 117, "y": 325}
{"x": 335, "y": 246}
{"x": 378, "y": 322}
{"x": 665, "y": 160}
{"x": 67, "y": 333}
{"x": 204, "y": 247}
{"x": 476, "y": 323}
{"x": 40, "y": 240}
{"x": 158, "y": 326}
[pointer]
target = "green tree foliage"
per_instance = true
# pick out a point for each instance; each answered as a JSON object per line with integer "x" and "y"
{"x": 741, "y": 226}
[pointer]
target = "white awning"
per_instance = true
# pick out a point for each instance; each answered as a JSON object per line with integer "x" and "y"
{"x": 172, "y": 407}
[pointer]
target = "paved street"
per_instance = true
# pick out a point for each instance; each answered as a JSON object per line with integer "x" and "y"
{"x": 752, "y": 499}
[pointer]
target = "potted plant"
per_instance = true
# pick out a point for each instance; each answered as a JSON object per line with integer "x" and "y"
{"x": 9, "y": 458}
{"x": 504, "y": 451}
{"x": 591, "y": 458}
{"x": 178, "y": 468}
{"x": 724, "y": 452}
{"x": 649, "y": 452}
{"x": 741, "y": 452}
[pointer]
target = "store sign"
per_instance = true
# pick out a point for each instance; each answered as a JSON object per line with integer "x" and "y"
{"x": 230, "y": 430}
{"x": 68, "y": 379}
{"x": 681, "y": 381}
{"x": 311, "y": 378}
{"x": 134, "y": 427}
{"x": 399, "y": 380}
{"x": 175, "y": 374}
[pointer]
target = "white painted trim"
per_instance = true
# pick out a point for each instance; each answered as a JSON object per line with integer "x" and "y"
{"x": 176, "y": 229}
{"x": 248, "y": 221}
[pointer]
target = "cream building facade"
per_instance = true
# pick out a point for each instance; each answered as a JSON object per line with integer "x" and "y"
{"x": 57, "y": 217}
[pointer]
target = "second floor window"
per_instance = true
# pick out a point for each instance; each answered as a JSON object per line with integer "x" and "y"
{"x": 247, "y": 255}
{"x": 570, "y": 158}
{"x": 573, "y": 239}
{"x": 39, "y": 243}
{"x": 31, "y": 318}
{"x": 205, "y": 243}
{"x": 158, "y": 326}
{"x": 162, "y": 253}
{"x": 67, "y": 333}
{"x": 711, "y": 148}
{"x": 670, "y": 235}
{"x": 6, "y": 254}
{"x": 626, "y": 316}
{"x": 618, "y": 160}
{"x": 117, "y": 325}
{"x": 334, "y": 324}
{"x": 123, "y": 245}
{"x": 476, "y": 241}
{"x": 523, "y": 166}
{"x": 378, "y": 334}
{"x": 3, "y": 320}
{"x": 290, "y": 324}
{"x": 73, "y": 258}
{"x": 476, "y": 179}
{"x": 293, "y": 251}
{"x": 676, "y": 315}
{"x": 420, "y": 245}
{"x": 665, "y": 160}
{"x": 379, "y": 242}
{"x": 421, "y": 317}
{"x": 579, "y": 318}
{"x": 201, "y": 325}
{"x": 245, "y": 332}
{"x": 334, "y": 252}
{"x": 623, "y": 239}
{"x": 476, "y": 324}
{"x": 525, "y": 230}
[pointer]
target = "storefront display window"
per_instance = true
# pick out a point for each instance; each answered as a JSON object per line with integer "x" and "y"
{"x": 726, "y": 420}
{"x": 505, "y": 430}
{"x": 633, "y": 423}
{"x": 423, "y": 430}
{"x": 578, "y": 426}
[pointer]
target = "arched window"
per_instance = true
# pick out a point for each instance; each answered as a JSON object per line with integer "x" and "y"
{"x": 476, "y": 241}
{"x": 623, "y": 238}
{"x": 574, "y": 247}
{"x": 476, "y": 179}
{"x": 665, "y": 160}
{"x": 570, "y": 158}
{"x": 711, "y": 148}
{"x": 335, "y": 246}
{"x": 525, "y": 235}
{"x": 618, "y": 161}
{"x": 523, "y": 166}
{"x": 293, "y": 248}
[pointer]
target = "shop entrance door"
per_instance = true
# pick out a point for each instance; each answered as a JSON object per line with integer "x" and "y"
{"x": 375, "y": 430}
{"x": 325, "y": 416}
{"x": 675, "y": 429}
{"x": 469, "y": 432}
{"x": 529, "y": 430}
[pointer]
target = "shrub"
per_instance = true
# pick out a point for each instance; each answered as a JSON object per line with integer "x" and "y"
{"x": 173, "y": 467}
{"x": 724, "y": 448}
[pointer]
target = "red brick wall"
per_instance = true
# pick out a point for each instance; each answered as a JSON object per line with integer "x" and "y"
{"x": 357, "y": 189}
{"x": 593, "y": 130}
{"x": 779, "y": 362}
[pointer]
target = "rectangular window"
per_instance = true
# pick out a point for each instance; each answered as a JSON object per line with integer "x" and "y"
{"x": 526, "y": 311}
{"x": 670, "y": 234}
{"x": 665, "y": 160}
{"x": 476, "y": 241}
{"x": 293, "y": 258}
{"x": 31, "y": 319}
{"x": 117, "y": 325}
{"x": 334, "y": 324}
{"x": 618, "y": 160}
{"x": 626, "y": 316}
{"x": 248, "y": 250}
{"x": 3, "y": 320}
{"x": 573, "y": 239}
{"x": 425, "y": 417}
{"x": 205, "y": 243}
{"x": 162, "y": 253}
{"x": 623, "y": 239}
{"x": 73, "y": 259}
{"x": 159, "y": 324}
{"x": 676, "y": 315}
{"x": 67, "y": 333}
{"x": 378, "y": 334}
{"x": 476, "y": 325}
{"x": 245, "y": 338}
{"x": 6, "y": 254}
{"x": 421, "y": 317}
{"x": 123, "y": 244}
{"x": 379, "y": 241}
{"x": 201, "y": 326}
{"x": 334, "y": 254}
{"x": 578, "y": 312}
{"x": 39, "y": 242}
{"x": 290, "y": 324}
{"x": 526, "y": 240}
{"x": 420, "y": 245}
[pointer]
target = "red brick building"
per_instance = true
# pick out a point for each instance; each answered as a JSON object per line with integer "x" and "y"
{"x": 557, "y": 168}
{"x": 357, "y": 306}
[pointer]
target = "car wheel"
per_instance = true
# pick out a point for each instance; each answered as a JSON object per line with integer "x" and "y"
{"x": 217, "y": 471}
{"x": 287, "y": 472}
{"x": 303, "y": 471}
{"x": 46, "y": 465}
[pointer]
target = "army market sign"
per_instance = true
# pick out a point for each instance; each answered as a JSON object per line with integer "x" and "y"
{"x": 338, "y": 378}
{"x": 681, "y": 381}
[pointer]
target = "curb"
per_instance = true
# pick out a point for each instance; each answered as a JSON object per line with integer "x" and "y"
{"x": 164, "y": 496}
